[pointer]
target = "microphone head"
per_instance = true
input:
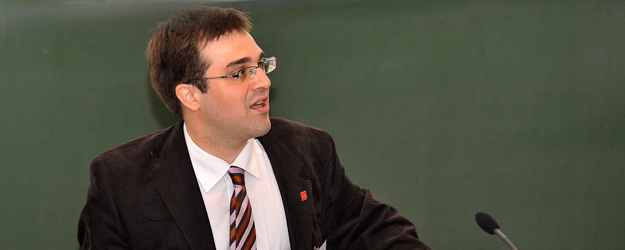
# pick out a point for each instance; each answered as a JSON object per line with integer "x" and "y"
{"x": 486, "y": 222}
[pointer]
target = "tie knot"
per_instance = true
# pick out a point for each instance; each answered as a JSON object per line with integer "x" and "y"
{"x": 237, "y": 175}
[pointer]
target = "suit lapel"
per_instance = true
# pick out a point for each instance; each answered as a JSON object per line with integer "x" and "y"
{"x": 288, "y": 171}
{"x": 175, "y": 180}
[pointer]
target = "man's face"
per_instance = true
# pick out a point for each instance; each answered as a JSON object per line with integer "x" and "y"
{"x": 230, "y": 109}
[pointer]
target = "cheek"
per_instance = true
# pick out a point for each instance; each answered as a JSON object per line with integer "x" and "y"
{"x": 229, "y": 100}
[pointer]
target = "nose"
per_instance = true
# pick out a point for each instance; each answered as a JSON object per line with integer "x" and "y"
{"x": 261, "y": 80}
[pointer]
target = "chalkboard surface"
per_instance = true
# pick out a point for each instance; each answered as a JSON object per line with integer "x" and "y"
{"x": 442, "y": 108}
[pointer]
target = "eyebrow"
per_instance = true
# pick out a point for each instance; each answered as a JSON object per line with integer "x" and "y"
{"x": 241, "y": 61}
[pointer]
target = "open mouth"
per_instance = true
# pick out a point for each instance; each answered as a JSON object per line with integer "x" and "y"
{"x": 259, "y": 104}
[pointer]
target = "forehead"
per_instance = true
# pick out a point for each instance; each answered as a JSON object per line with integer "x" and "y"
{"x": 230, "y": 48}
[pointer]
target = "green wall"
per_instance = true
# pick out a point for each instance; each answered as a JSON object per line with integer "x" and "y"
{"x": 442, "y": 108}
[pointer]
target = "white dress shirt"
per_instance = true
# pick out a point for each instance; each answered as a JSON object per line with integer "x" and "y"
{"x": 262, "y": 190}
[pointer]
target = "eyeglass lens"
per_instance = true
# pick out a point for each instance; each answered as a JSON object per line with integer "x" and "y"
{"x": 268, "y": 65}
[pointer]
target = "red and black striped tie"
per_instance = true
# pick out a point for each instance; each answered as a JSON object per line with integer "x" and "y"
{"x": 242, "y": 230}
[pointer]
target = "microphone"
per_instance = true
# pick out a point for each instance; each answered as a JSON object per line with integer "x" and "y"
{"x": 488, "y": 224}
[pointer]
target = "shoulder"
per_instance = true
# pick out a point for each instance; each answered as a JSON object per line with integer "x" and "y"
{"x": 137, "y": 150}
{"x": 299, "y": 138}
{"x": 284, "y": 128}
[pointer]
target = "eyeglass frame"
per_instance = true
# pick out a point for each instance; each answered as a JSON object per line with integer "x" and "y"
{"x": 270, "y": 67}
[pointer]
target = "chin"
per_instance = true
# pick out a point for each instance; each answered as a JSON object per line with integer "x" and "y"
{"x": 267, "y": 127}
{"x": 262, "y": 128}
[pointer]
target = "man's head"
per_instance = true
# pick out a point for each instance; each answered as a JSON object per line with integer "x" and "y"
{"x": 208, "y": 69}
{"x": 174, "y": 53}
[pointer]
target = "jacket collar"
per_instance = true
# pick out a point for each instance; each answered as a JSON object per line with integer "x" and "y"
{"x": 175, "y": 180}
{"x": 288, "y": 171}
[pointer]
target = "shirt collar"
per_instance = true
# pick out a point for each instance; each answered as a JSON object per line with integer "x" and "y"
{"x": 209, "y": 169}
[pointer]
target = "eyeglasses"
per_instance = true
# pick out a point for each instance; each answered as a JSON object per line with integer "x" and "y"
{"x": 247, "y": 74}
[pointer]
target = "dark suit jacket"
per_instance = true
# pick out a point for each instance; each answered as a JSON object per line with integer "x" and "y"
{"x": 144, "y": 195}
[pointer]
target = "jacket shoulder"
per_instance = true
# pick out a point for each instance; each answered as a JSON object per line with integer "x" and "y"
{"x": 284, "y": 128}
{"x": 138, "y": 149}
{"x": 302, "y": 140}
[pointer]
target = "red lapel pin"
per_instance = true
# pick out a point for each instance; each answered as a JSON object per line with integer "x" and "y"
{"x": 303, "y": 195}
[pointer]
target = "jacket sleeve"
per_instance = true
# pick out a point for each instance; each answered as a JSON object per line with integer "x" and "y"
{"x": 99, "y": 225}
{"x": 355, "y": 219}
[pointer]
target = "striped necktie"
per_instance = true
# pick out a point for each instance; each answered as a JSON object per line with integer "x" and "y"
{"x": 242, "y": 230}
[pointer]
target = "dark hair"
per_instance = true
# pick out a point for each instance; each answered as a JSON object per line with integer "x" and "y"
{"x": 174, "y": 51}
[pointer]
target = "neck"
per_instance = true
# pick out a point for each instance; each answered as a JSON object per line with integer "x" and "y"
{"x": 215, "y": 143}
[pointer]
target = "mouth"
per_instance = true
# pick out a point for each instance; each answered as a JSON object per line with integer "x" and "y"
{"x": 259, "y": 104}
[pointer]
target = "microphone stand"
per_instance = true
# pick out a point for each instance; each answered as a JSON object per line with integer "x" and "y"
{"x": 504, "y": 238}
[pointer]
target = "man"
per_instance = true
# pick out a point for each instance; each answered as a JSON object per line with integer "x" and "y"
{"x": 228, "y": 176}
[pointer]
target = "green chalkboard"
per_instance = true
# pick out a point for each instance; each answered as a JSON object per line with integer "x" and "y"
{"x": 442, "y": 108}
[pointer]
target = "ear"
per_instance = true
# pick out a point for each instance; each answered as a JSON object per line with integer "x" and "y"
{"x": 189, "y": 96}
